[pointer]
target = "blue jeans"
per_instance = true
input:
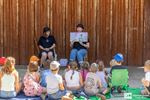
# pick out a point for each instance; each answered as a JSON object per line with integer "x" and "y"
{"x": 57, "y": 95}
{"x": 7, "y": 94}
{"x": 80, "y": 54}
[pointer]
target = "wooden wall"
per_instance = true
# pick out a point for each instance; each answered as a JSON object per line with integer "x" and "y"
{"x": 113, "y": 26}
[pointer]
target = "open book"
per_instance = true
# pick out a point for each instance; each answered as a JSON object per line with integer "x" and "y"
{"x": 79, "y": 36}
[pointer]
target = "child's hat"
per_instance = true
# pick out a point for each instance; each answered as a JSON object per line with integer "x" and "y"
{"x": 118, "y": 57}
{"x": 2, "y": 60}
{"x": 54, "y": 65}
{"x": 34, "y": 58}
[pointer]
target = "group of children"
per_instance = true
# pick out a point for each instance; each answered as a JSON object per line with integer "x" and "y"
{"x": 89, "y": 80}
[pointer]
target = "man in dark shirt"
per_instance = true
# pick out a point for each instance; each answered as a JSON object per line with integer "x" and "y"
{"x": 79, "y": 48}
{"x": 46, "y": 44}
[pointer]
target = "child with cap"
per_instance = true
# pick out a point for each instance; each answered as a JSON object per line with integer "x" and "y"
{"x": 118, "y": 62}
{"x": 55, "y": 86}
{"x": 146, "y": 80}
{"x": 31, "y": 80}
{"x": 93, "y": 83}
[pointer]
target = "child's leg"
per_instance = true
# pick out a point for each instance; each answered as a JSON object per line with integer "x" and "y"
{"x": 101, "y": 96}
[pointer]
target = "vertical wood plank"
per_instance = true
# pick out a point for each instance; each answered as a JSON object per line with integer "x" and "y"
{"x": 1, "y": 28}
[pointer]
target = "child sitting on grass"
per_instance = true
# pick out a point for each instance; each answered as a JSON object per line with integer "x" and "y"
{"x": 31, "y": 80}
{"x": 102, "y": 75}
{"x": 55, "y": 86}
{"x": 93, "y": 83}
{"x": 84, "y": 69}
{"x": 146, "y": 80}
{"x": 119, "y": 60}
{"x": 73, "y": 78}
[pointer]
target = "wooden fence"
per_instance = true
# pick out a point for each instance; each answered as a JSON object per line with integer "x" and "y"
{"x": 113, "y": 26}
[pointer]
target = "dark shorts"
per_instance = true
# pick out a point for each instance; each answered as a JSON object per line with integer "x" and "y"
{"x": 40, "y": 55}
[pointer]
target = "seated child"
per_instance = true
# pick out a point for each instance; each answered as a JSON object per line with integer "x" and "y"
{"x": 35, "y": 59}
{"x": 31, "y": 80}
{"x": 84, "y": 69}
{"x": 102, "y": 75}
{"x": 55, "y": 87}
{"x": 119, "y": 60}
{"x": 146, "y": 80}
{"x": 73, "y": 78}
{"x": 13, "y": 62}
{"x": 93, "y": 83}
{"x": 44, "y": 73}
{"x": 9, "y": 84}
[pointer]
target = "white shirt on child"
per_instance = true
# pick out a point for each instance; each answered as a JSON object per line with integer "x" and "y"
{"x": 75, "y": 81}
{"x": 53, "y": 81}
{"x": 147, "y": 76}
{"x": 7, "y": 82}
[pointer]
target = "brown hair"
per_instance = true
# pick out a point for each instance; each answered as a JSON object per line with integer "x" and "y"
{"x": 147, "y": 65}
{"x": 8, "y": 68}
{"x": 80, "y": 25}
{"x": 85, "y": 65}
{"x": 74, "y": 66}
{"x": 100, "y": 65}
{"x": 33, "y": 66}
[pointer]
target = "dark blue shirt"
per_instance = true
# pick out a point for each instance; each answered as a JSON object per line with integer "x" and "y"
{"x": 46, "y": 42}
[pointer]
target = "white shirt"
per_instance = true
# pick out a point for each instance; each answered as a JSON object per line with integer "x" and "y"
{"x": 8, "y": 82}
{"x": 101, "y": 75}
{"x": 147, "y": 76}
{"x": 53, "y": 81}
{"x": 75, "y": 81}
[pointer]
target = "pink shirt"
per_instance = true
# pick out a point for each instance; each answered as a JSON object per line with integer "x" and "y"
{"x": 84, "y": 73}
{"x": 31, "y": 85}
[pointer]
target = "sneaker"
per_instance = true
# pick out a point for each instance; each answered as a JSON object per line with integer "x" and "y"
{"x": 119, "y": 89}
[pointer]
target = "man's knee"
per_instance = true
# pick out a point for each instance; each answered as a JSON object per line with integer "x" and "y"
{"x": 44, "y": 55}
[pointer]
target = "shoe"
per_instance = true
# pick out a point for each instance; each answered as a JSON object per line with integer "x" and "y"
{"x": 119, "y": 89}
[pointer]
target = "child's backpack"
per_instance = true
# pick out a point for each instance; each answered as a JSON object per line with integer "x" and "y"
{"x": 119, "y": 78}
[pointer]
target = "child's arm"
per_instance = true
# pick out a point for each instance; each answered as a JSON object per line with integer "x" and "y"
{"x": 145, "y": 82}
{"x": 61, "y": 85}
{"x": 81, "y": 80}
{"x": 99, "y": 84}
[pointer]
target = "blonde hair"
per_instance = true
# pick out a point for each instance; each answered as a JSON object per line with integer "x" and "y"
{"x": 147, "y": 65}
{"x": 33, "y": 66}
{"x": 94, "y": 67}
{"x": 12, "y": 60}
{"x": 8, "y": 68}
